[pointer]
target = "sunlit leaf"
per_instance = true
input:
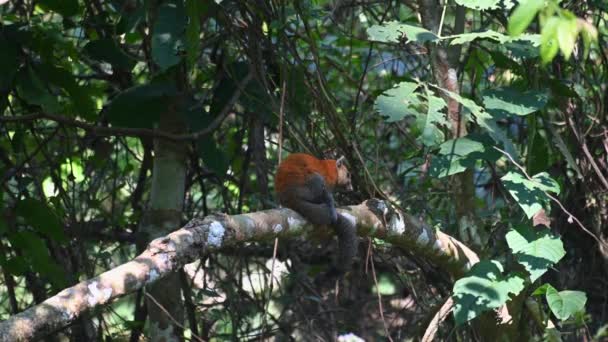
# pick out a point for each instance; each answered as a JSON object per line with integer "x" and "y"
{"x": 507, "y": 100}
{"x": 535, "y": 249}
{"x": 530, "y": 194}
{"x": 565, "y": 303}
{"x": 484, "y": 288}
{"x": 394, "y": 104}
{"x": 457, "y": 155}
{"x": 523, "y": 15}
{"x": 395, "y": 32}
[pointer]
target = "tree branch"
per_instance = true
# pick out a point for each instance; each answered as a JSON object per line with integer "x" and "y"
{"x": 202, "y": 236}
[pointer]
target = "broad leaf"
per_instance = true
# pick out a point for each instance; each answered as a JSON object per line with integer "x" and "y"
{"x": 471, "y": 36}
{"x": 431, "y": 133}
{"x": 508, "y": 100}
{"x": 37, "y": 256}
{"x": 141, "y": 106}
{"x": 395, "y": 32}
{"x": 549, "y": 44}
{"x": 535, "y": 249}
{"x": 565, "y": 303}
{"x": 193, "y": 30}
{"x": 457, "y": 155}
{"x": 31, "y": 88}
{"x": 484, "y": 288}
{"x": 42, "y": 218}
{"x": 395, "y": 103}
{"x": 168, "y": 34}
{"x": 523, "y": 15}
{"x": 106, "y": 50}
{"x": 567, "y": 31}
{"x": 9, "y": 62}
{"x": 486, "y": 121}
{"x": 480, "y": 5}
{"x": 530, "y": 194}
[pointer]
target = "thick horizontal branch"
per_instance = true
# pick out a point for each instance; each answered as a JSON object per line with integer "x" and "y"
{"x": 201, "y": 236}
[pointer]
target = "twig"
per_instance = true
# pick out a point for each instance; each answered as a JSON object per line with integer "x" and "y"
{"x": 380, "y": 307}
{"x": 196, "y": 337}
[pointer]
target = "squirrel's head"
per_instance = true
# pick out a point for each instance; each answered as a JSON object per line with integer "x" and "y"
{"x": 343, "y": 180}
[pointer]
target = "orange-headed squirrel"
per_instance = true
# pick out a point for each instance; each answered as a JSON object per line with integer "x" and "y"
{"x": 305, "y": 184}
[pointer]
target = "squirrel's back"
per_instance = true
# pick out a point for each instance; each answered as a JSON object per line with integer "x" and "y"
{"x": 298, "y": 167}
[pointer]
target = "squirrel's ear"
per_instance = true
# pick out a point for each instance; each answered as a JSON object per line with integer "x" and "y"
{"x": 340, "y": 161}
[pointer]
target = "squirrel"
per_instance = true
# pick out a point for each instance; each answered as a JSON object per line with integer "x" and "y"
{"x": 305, "y": 184}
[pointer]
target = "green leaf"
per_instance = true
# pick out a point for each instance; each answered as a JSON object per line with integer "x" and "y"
{"x": 168, "y": 34}
{"x": 9, "y": 63}
{"x": 431, "y": 134}
{"x": 471, "y": 36}
{"x": 483, "y": 289}
{"x": 38, "y": 257}
{"x": 395, "y": 32}
{"x": 549, "y": 44}
{"x": 530, "y": 194}
{"x": 535, "y": 249}
{"x": 486, "y": 121}
{"x": 567, "y": 30}
{"x": 66, "y": 8}
{"x": 480, "y": 5}
{"x": 213, "y": 157}
{"x": 80, "y": 97}
{"x": 141, "y": 106}
{"x": 395, "y": 103}
{"x": 508, "y": 100}
{"x": 457, "y": 155}
{"x": 106, "y": 50}
{"x": 42, "y": 218}
{"x": 194, "y": 8}
{"x": 523, "y": 15}
{"x": 565, "y": 303}
{"x": 31, "y": 88}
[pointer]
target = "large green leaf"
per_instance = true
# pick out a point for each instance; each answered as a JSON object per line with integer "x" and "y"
{"x": 141, "y": 106}
{"x": 9, "y": 62}
{"x": 431, "y": 134}
{"x": 106, "y": 50}
{"x": 523, "y": 15}
{"x": 567, "y": 31}
{"x": 549, "y": 44}
{"x": 535, "y": 249}
{"x": 484, "y": 288}
{"x": 471, "y": 36}
{"x": 395, "y": 103}
{"x": 42, "y": 218}
{"x": 530, "y": 194}
{"x": 457, "y": 155}
{"x": 168, "y": 34}
{"x": 37, "y": 256}
{"x": 395, "y": 32}
{"x": 480, "y": 5}
{"x": 486, "y": 121}
{"x": 508, "y": 100}
{"x": 31, "y": 88}
{"x": 194, "y": 9}
{"x": 565, "y": 303}
{"x": 81, "y": 101}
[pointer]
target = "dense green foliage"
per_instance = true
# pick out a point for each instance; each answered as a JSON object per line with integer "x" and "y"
{"x": 486, "y": 119}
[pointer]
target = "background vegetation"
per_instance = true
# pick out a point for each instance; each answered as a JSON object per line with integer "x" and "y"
{"x": 122, "y": 120}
